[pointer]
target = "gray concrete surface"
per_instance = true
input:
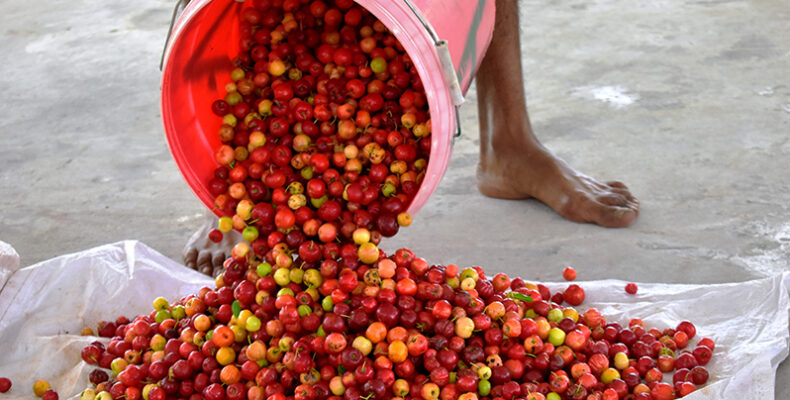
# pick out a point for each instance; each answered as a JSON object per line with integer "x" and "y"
{"x": 686, "y": 101}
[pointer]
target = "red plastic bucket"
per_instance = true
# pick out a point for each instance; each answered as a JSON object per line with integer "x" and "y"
{"x": 445, "y": 39}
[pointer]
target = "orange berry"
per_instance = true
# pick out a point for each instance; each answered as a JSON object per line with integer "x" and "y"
{"x": 397, "y": 333}
{"x": 376, "y": 332}
{"x": 223, "y": 336}
{"x": 230, "y": 374}
{"x": 398, "y": 352}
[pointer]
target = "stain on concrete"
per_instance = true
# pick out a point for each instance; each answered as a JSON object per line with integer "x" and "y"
{"x": 152, "y": 19}
{"x": 655, "y": 100}
{"x": 715, "y": 3}
{"x": 751, "y": 46}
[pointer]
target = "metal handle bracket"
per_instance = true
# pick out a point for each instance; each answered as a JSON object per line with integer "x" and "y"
{"x": 448, "y": 69}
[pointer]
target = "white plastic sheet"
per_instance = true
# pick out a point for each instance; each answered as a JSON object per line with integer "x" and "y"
{"x": 9, "y": 262}
{"x": 43, "y": 308}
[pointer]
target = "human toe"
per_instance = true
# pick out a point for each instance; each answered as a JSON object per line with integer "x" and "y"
{"x": 614, "y": 216}
{"x": 205, "y": 263}
{"x": 218, "y": 258}
{"x": 189, "y": 257}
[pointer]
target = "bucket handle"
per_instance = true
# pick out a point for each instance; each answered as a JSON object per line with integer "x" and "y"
{"x": 177, "y": 10}
{"x": 446, "y": 61}
{"x": 448, "y": 69}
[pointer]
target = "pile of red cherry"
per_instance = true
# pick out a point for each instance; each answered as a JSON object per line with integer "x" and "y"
{"x": 394, "y": 328}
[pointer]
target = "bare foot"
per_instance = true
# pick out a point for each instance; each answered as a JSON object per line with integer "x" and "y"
{"x": 571, "y": 194}
{"x": 513, "y": 163}
{"x": 205, "y": 256}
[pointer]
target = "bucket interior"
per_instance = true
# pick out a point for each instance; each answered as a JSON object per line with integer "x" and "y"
{"x": 198, "y": 61}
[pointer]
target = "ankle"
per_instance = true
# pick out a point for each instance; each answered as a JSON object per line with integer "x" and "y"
{"x": 513, "y": 153}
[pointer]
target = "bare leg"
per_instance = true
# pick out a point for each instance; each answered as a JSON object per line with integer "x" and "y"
{"x": 205, "y": 256}
{"x": 513, "y": 163}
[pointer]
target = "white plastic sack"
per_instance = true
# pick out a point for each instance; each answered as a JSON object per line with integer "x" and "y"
{"x": 44, "y": 307}
{"x": 9, "y": 262}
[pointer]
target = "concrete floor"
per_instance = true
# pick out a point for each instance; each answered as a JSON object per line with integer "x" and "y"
{"x": 687, "y": 102}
